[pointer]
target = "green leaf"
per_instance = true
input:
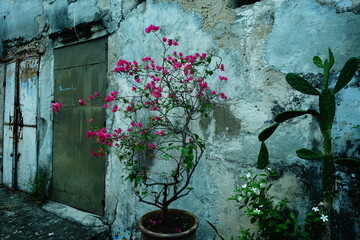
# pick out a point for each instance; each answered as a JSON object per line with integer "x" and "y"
{"x": 326, "y": 72}
{"x": 215, "y": 229}
{"x": 300, "y": 84}
{"x": 308, "y": 154}
{"x": 327, "y": 109}
{"x": 282, "y": 117}
{"x": 318, "y": 62}
{"x": 331, "y": 59}
{"x": 346, "y": 74}
{"x": 263, "y": 158}
{"x": 349, "y": 162}
{"x": 265, "y": 134}
{"x": 292, "y": 215}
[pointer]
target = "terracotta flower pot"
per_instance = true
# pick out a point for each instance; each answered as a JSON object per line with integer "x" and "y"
{"x": 146, "y": 234}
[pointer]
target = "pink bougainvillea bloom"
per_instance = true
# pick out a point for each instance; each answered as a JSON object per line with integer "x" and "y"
{"x": 115, "y": 108}
{"x": 95, "y": 153}
{"x": 91, "y": 120}
{"x": 133, "y": 124}
{"x": 82, "y": 102}
{"x": 222, "y": 67}
{"x": 129, "y": 130}
{"x": 128, "y": 108}
{"x": 190, "y": 139}
{"x": 156, "y": 118}
{"x": 118, "y": 131}
{"x": 140, "y": 124}
{"x": 156, "y": 93}
{"x": 213, "y": 92}
{"x": 133, "y": 88}
{"x": 97, "y": 94}
{"x": 164, "y": 39}
{"x": 162, "y": 133}
{"x": 151, "y": 28}
{"x": 105, "y": 106}
{"x": 223, "y": 78}
{"x": 152, "y": 146}
{"x": 109, "y": 98}
{"x": 114, "y": 93}
{"x": 223, "y": 96}
{"x": 56, "y": 106}
{"x": 137, "y": 80}
{"x": 91, "y": 97}
{"x": 154, "y": 108}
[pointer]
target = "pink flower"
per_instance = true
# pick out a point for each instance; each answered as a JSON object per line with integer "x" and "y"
{"x": 223, "y": 96}
{"x": 109, "y": 98}
{"x": 56, "y": 106}
{"x": 133, "y": 88}
{"x": 156, "y": 118}
{"x": 161, "y": 133}
{"x": 90, "y": 134}
{"x": 154, "y": 108}
{"x": 91, "y": 120}
{"x": 151, "y": 28}
{"x": 137, "y": 80}
{"x": 133, "y": 124}
{"x": 156, "y": 94}
{"x": 223, "y": 78}
{"x": 140, "y": 124}
{"x": 91, "y": 97}
{"x": 115, "y": 108}
{"x": 164, "y": 39}
{"x": 222, "y": 67}
{"x": 118, "y": 131}
{"x": 105, "y": 106}
{"x": 213, "y": 92}
{"x": 97, "y": 94}
{"x": 152, "y": 146}
{"x": 82, "y": 102}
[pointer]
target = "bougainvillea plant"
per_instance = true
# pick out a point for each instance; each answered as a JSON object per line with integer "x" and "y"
{"x": 158, "y": 146}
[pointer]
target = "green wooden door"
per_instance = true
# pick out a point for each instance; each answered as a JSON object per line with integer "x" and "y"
{"x": 78, "y": 177}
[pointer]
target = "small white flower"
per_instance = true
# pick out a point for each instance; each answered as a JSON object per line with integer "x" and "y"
{"x": 324, "y": 218}
{"x": 244, "y": 185}
{"x": 315, "y": 209}
{"x": 256, "y": 211}
{"x": 239, "y": 198}
{"x": 248, "y": 175}
{"x": 262, "y": 185}
{"x": 269, "y": 169}
{"x": 261, "y": 206}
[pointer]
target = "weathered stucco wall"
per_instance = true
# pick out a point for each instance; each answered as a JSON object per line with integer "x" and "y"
{"x": 259, "y": 44}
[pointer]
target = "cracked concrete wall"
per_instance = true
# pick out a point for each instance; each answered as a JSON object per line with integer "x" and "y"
{"x": 259, "y": 44}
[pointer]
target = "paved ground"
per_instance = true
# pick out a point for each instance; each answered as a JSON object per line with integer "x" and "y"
{"x": 22, "y": 219}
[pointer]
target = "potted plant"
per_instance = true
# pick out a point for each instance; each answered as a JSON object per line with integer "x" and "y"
{"x": 159, "y": 149}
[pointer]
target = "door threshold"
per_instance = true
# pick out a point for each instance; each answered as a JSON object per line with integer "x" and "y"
{"x": 76, "y": 215}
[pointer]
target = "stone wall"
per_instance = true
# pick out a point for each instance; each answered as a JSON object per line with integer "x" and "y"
{"x": 259, "y": 43}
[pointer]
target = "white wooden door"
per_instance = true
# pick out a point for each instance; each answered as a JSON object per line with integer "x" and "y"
{"x": 20, "y": 128}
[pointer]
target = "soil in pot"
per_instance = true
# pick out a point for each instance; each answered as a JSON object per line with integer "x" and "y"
{"x": 175, "y": 222}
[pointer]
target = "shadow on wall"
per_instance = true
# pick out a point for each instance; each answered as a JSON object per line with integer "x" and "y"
{"x": 240, "y": 3}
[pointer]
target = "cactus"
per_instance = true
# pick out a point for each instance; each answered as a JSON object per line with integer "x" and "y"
{"x": 325, "y": 119}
